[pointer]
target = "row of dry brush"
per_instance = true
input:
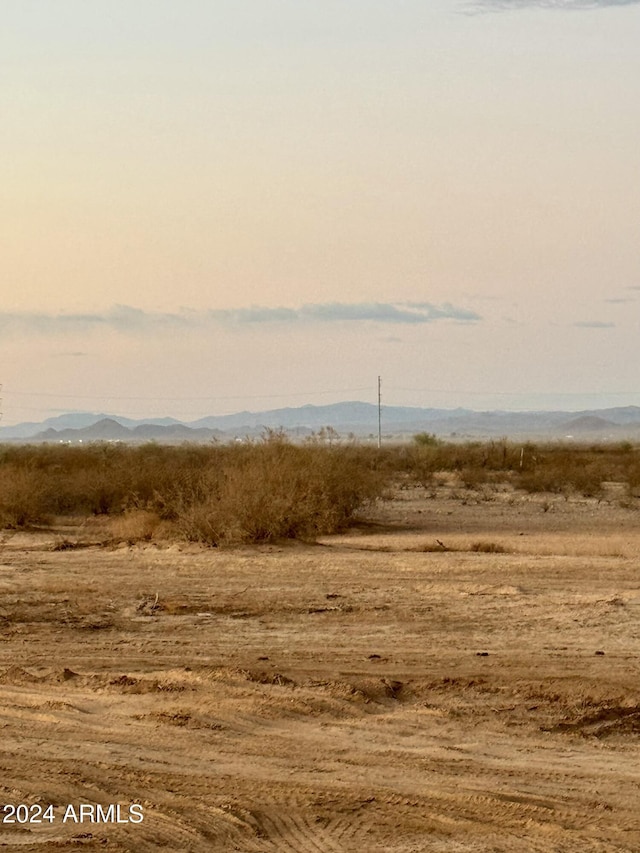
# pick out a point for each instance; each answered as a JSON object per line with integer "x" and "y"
{"x": 272, "y": 489}
{"x": 237, "y": 493}
{"x": 560, "y": 467}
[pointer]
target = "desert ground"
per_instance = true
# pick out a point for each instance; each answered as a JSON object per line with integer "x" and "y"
{"x": 457, "y": 672}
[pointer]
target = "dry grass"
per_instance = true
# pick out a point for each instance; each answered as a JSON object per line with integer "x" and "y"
{"x": 272, "y": 489}
{"x": 558, "y": 468}
{"x": 240, "y": 493}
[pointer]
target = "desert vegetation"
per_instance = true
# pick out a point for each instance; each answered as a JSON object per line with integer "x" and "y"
{"x": 559, "y": 467}
{"x": 272, "y": 489}
{"x": 213, "y": 494}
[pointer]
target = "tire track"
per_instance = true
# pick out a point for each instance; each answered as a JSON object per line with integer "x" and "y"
{"x": 294, "y": 832}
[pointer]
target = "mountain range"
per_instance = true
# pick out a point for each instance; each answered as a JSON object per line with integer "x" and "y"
{"x": 356, "y": 418}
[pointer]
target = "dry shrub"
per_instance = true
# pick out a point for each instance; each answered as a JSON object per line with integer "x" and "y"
{"x": 23, "y": 497}
{"x": 272, "y": 489}
{"x": 565, "y": 469}
{"x": 543, "y": 478}
{"x": 423, "y": 463}
{"x": 487, "y": 547}
{"x": 473, "y": 478}
{"x": 275, "y": 490}
{"x": 240, "y": 493}
{"x": 558, "y": 467}
{"x": 135, "y": 525}
{"x": 632, "y": 478}
{"x": 476, "y": 463}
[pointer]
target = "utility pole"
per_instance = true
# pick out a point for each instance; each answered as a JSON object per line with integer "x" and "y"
{"x": 379, "y": 412}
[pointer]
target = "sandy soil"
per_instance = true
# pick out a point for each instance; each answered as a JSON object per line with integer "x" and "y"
{"x": 378, "y": 691}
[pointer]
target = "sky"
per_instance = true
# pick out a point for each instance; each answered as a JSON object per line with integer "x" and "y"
{"x": 208, "y": 206}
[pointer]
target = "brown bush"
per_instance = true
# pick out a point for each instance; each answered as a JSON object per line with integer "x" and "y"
{"x": 239, "y": 493}
{"x": 275, "y": 490}
{"x": 23, "y": 497}
{"x": 561, "y": 468}
{"x": 272, "y": 489}
{"x": 483, "y": 547}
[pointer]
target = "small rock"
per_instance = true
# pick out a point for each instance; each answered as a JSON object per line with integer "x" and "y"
{"x": 68, "y": 673}
{"x": 392, "y": 686}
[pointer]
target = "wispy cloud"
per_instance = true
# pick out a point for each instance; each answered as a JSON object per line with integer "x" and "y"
{"x": 120, "y": 317}
{"x": 480, "y": 6}
{"x": 348, "y": 312}
{"x": 444, "y": 311}
{"x": 619, "y": 300}
{"x": 128, "y": 320}
{"x": 594, "y": 324}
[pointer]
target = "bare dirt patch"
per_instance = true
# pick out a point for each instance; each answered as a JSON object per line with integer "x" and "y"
{"x": 366, "y": 693}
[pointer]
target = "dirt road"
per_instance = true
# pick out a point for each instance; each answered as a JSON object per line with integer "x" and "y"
{"x": 377, "y": 691}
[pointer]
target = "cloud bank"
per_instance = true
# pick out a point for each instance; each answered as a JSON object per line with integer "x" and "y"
{"x": 128, "y": 320}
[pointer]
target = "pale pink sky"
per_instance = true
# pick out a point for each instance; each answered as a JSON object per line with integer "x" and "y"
{"x": 214, "y": 205}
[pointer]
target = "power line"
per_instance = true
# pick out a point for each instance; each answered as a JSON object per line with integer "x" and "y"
{"x": 210, "y": 398}
{"x": 465, "y": 393}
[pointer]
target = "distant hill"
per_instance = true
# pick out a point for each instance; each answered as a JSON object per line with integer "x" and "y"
{"x": 360, "y": 419}
{"x": 74, "y": 420}
{"x": 108, "y": 429}
{"x": 589, "y": 423}
{"x": 347, "y": 415}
